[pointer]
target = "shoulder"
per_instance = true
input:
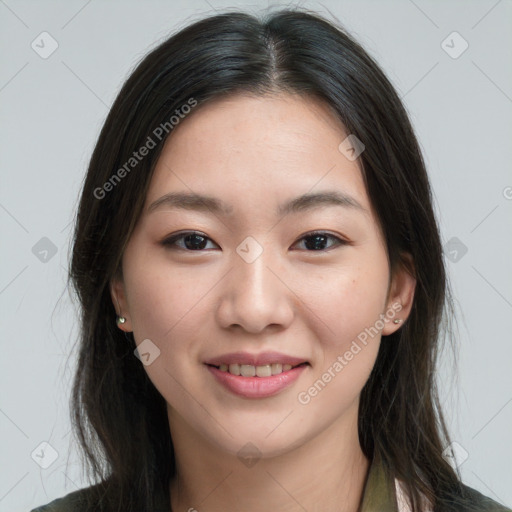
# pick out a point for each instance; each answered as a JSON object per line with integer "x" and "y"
{"x": 75, "y": 501}
{"x": 470, "y": 501}
{"x": 96, "y": 498}
{"x": 480, "y": 502}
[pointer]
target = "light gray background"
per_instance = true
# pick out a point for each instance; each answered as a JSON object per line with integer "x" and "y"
{"x": 52, "y": 110}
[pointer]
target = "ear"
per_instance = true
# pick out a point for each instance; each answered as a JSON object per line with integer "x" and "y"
{"x": 117, "y": 292}
{"x": 400, "y": 295}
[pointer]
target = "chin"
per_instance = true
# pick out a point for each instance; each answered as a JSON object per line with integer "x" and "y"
{"x": 257, "y": 436}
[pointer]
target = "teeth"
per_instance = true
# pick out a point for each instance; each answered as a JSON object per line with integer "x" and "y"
{"x": 234, "y": 369}
{"x": 248, "y": 370}
{"x": 264, "y": 371}
{"x": 277, "y": 368}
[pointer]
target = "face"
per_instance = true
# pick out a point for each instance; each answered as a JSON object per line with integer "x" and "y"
{"x": 245, "y": 280}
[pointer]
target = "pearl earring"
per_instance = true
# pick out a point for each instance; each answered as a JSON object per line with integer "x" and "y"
{"x": 397, "y": 321}
{"x": 120, "y": 320}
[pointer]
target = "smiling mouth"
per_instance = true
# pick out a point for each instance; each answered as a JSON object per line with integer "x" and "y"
{"x": 249, "y": 370}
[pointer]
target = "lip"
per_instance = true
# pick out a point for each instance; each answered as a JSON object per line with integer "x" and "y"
{"x": 261, "y": 359}
{"x": 257, "y": 387}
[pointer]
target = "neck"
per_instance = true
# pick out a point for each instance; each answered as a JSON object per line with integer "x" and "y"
{"x": 327, "y": 473}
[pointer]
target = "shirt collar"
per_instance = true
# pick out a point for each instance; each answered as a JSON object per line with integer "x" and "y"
{"x": 379, "y": 494}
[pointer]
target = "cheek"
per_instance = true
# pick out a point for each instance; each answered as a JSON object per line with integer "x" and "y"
{"x": 162, "y": 295}
{"x": 345, "y": 303}
{"x": 168, "y": 307}
{"x": 348, "y": 338}
{"x": 171, "y": 307}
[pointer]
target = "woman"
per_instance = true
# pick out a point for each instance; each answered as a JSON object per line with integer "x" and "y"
{"x": 262, "y": 284}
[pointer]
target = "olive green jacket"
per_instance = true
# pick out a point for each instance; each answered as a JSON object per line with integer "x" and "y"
{"x": 381, "y": 494}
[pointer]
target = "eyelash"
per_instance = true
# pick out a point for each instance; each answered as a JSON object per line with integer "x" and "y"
{"x": 170, "y": 242}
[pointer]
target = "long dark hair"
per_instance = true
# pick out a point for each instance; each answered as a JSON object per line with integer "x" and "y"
{"x": 119, "y": 417}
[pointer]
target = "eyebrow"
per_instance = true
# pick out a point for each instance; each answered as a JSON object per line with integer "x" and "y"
{"x": 206, "y": 203}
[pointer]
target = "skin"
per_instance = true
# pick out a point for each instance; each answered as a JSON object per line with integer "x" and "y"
{"x": 255, "y": 153}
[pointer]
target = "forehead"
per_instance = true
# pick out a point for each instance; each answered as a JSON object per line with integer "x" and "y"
{"x": 256, "y": 152}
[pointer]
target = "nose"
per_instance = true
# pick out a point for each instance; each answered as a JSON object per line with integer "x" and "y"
{"x": 256, "y": 296}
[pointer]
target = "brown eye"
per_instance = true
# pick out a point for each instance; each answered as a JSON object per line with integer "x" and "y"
{"x": 192, "y": 241}
{"x": 316, "y": 241}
